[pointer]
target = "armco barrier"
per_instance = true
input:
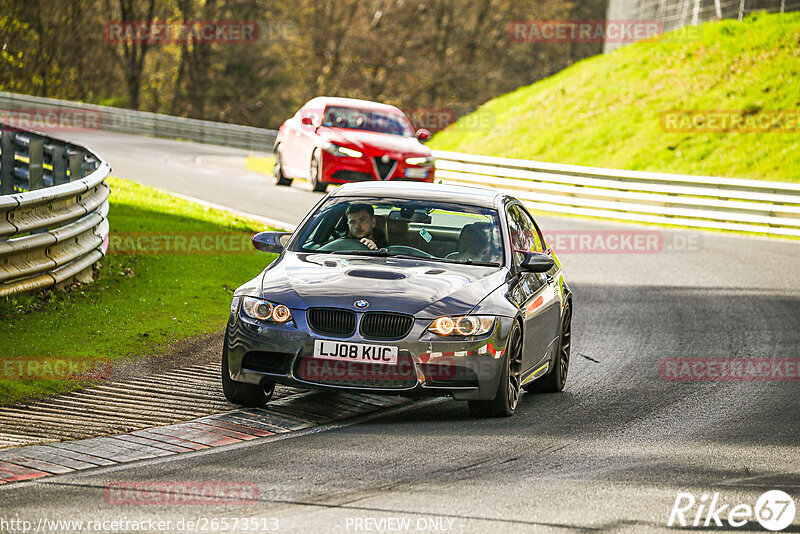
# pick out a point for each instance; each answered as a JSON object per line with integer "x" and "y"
{"x": 22, "y": 109}
{"x": 689, "y": 201}
{"x": 53, "y": 209}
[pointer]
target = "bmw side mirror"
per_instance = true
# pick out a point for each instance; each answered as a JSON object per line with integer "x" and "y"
{"x": 535, "y": 262}
{"x": 424, "y": 135}
{"x": 271, "y": 241}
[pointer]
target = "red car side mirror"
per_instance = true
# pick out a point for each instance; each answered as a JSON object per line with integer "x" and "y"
{"x": 424, "y": 135}
{"x": 307, "y": 121}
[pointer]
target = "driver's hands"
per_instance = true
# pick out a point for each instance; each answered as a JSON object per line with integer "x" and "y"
{"x": 369, "y": 244}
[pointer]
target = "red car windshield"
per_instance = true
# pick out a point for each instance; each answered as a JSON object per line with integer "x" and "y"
{"x": 371, "y": 121}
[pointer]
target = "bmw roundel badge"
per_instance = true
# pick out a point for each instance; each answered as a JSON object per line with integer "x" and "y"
{"x": 361, "y": 304}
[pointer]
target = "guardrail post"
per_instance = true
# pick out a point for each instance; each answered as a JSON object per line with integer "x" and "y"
{"x": 7, "y": 163}
{"x": 75, "y": 165}
{"x": 36, "y": 164}
{"x": 59, "y": 154}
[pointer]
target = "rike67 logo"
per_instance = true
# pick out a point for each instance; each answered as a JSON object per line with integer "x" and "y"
{"x": 774, "y": 510}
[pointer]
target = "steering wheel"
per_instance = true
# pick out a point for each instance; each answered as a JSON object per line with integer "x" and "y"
{"x": 344, "y": 243}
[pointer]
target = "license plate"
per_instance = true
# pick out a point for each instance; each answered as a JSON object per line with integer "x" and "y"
{"x": 412, "y": 172}
{"x": 355, "y": 352}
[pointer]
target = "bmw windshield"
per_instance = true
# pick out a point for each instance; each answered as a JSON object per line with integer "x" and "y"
{"x": 436, "y": 231}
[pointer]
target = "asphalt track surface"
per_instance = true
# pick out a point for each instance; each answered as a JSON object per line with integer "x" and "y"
{"x": 610, "y": 453}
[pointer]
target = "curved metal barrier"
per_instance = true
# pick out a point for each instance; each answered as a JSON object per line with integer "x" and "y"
{"x": 24, "y": 109}
{"x": 53, "y": 209}
{"x": 691, "y": 201}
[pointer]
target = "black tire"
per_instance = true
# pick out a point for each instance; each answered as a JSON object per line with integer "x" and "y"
{"x": 314, "y": 172}
{"x": 241, "y": 393}
{"x": 554, "y": 381}
{"x": 508, "y": 389}
{"x": 280, "y": 178}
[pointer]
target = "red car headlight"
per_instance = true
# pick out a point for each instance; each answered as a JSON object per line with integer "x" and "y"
{"x": 421, "y": 161}
{"x": 340, "y": 151}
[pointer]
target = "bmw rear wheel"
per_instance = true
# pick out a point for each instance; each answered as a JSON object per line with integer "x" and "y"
{"x": 555, "y": 380}
{"x": 315, "y": 173}
{"x": 280, "y": 178}
{"x": 507, "y": 397}
{"x": 241, "y": 393}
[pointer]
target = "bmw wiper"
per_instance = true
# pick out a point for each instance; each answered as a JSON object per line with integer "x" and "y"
{"x": 473, "y": 262}
{"x": 382, "y": 252}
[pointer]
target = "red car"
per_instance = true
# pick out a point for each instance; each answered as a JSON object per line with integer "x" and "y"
{"x": 340, "y": 140}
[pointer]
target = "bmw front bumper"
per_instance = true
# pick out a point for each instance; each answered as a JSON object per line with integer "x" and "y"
{"x": 428, "y": 365}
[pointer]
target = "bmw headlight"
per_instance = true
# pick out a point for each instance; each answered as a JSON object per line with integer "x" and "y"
{"x": 464, "y": 325}
{"x": 263, "y": 310}
{"x": 422, "y": 161}
{"x": 340, "y": 151}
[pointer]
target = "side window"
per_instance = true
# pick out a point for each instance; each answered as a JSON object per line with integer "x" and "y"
{"x": 538, "y": 238}
{"x": 524, "y": 235}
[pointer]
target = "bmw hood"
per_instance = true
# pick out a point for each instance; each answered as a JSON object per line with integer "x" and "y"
{"x": 422, "y": 288}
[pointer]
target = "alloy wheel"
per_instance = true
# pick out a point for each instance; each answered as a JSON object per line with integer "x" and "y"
{"x": 514, "y": 368}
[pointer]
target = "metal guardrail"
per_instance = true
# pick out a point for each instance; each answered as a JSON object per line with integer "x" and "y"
{"x": 53, "y": 209}
{"x": 23, "y": 109}
{"x": 691, "y": 201}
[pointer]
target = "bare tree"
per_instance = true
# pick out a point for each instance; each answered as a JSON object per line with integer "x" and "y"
{"x": 134, "y": 51}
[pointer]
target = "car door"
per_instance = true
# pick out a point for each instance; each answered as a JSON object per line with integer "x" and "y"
{"x": 535, "y": 293}
{"x": 290, "y": 146}
{"x": 554, "y": 288}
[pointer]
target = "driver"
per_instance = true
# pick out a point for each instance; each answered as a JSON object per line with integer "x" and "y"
{"x": 361, "y": 226}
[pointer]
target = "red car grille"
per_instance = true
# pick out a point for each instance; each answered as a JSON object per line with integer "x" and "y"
{"x": 385, "y": 169}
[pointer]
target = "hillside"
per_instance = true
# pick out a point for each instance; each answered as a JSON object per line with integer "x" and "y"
{"x": 609, "y": 110}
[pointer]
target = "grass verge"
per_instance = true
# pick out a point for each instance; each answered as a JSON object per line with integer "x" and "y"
{"x": 143, "y": 300}
{"x": 607, "y": 111}
{"x": 264, "y": 165}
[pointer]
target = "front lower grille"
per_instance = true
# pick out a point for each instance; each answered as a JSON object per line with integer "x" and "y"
{"x": 332, "y": 321}
{"x": 380, "y": 325}
{"x": 385, "y": 170}
{"x": 267, "y": 362}
{"x": 447, "y": 374}
{"x": 357, "y": 374}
